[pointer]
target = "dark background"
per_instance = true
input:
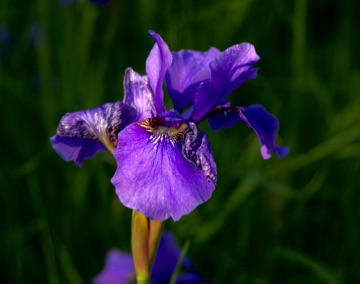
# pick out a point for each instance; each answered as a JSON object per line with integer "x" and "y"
{"x": 294, "y": 220}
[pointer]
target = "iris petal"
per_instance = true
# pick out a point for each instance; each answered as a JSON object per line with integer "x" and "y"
{"x": 138, "y": 96}
{"x": 157, "y": 63}
{"x": 153, "y": 176}
{"x": 76, "y": 149}
{"x": 100, "y": 123}
{"x": 188, "y": 69}
{"x": 81, "y": 134}
{"x": 266, "y": 127}
{"x": 224, "y": 117}
{"x": 228, "y": 71}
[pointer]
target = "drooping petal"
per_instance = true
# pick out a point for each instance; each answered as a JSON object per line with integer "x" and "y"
{"x": 138, "y": 96}
{"x": 229, "y": 70}
{"x": 119, "y": 268}
{"x": 224, "y": 117}
{"x": 188, "y": 69}
{"x": 161, "y": 176}
{"x": 265, "y": 125}
{"x": 157, "y": 63}
{"x": 76, "y": 149}
{"x": 81, "y": 134}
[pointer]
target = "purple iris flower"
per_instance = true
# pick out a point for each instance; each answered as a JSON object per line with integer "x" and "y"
{"x": 119, "y": 267}
{"x": 165, "y": 163}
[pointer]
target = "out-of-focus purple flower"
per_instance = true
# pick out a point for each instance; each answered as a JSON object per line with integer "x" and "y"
{"x": 119, "y": 267}
{"x": 165, "y": 163}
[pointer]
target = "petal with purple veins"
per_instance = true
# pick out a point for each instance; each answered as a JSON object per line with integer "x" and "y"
{"x": 75, "y": 149}
{"x": 81, "y": 134}
{"x": 138, "y": 96}
{"x": 157, "y": 177}
{"x": 196, "y": 149}
{"x": 229, "y": 70}
{"x": 100, "y": 123}
{"x": 157, "y": 63}
{"x": 188, "y": 69}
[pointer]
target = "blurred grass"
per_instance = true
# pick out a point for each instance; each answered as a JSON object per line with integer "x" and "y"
{"x": 294, "y": 220}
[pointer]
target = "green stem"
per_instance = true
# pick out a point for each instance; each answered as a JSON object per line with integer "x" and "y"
{"x": 139, "y": 247}
{"x": 142, "y": 280}
{"x": 155, "y": 229}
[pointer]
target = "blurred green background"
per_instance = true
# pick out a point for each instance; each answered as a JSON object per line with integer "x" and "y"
{"x": 295, "y": 220}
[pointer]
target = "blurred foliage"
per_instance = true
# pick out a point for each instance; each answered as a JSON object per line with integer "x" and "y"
{"x": 294, "y": 220}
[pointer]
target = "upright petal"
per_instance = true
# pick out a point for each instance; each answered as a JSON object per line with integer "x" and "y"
{"x": 157, "y": 63}
{"x": 188, "y": 69}
{"x": 81, "y": 134}
{"x": 138, "y": 96}
{"x": 228, "y": 71}
{"x": 119, "y": 268}
{"x": 155, "y": 177}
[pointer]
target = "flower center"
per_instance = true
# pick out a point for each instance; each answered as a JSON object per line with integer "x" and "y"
{"x": 156, "y": 127}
